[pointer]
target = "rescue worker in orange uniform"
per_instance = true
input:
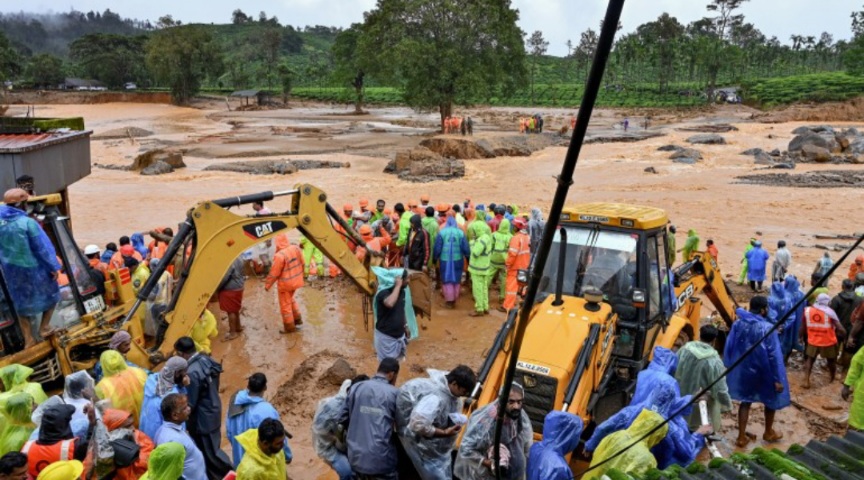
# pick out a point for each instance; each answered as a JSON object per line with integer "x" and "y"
{"x": 56, "y": 441}
{"x": 362, "y": 217}
{"x": 424, "y": 201}
{"x": 857, "y": 266}
{"x": 92, "y": 253}
{"x": 348, "y": 214}
{"x": 373, "y": 243}
{"x": 518, "y": 258}
{"x": 442, "y": 209}
{"x": 820, "y": 328}
{"x": 287, "y": 269}
{"x": 126, "y": 249}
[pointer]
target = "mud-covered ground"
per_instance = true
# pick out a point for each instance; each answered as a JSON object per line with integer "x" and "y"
{"x": 704, "y": 196}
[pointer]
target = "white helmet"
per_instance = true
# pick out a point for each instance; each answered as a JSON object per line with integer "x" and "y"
{"x": 91, "y": 249}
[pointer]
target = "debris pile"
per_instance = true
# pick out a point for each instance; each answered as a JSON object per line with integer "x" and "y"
{"x": 422, "y": 165}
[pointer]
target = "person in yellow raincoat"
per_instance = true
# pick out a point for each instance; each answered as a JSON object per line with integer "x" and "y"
{"x": 66, "y": 470}
{"x": 122, "y": 384}
{"x": 638, "y": 459}
{"x": 14, "y": 379}
{"x": 17, "y": 410}
{"x": 203, "y": 330}
{"x": 263, "y": 458}
{"x": 166, "y": 462}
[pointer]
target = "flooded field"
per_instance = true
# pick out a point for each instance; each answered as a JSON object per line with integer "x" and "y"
{"x": 704, "y": 196}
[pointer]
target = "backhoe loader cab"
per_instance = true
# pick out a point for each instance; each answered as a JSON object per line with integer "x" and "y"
{"x": 79, "y": 342}
{"x": 607, "y": 298}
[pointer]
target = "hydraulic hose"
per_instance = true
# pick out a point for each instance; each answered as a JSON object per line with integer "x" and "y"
{"x": 565, "y": 179}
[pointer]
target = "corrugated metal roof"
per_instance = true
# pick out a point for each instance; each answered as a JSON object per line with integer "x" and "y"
{"x": 246, "y": 93}
{"x": 836, "y": 458}
{"x": 25, "y": 142}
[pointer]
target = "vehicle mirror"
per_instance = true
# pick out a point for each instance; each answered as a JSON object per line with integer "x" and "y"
{"x": 522, "y": 276}
{"x": 638, "y": 297}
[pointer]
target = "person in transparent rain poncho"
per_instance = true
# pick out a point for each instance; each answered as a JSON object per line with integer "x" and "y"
{"x": 328, "y": 436}
{"x": 476, "y": 457}
{"x": 428, "y": 418}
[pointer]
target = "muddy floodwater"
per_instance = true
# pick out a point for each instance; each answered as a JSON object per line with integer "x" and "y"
{"x": 705, "y": 196}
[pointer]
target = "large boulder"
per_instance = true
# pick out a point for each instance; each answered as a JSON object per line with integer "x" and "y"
{"x": 821, "y": 141}
{"x": 707, "y": 139}
{"x": 423, "y": 165}
{"x": 816, "y": 154}
{"x": 171, "y": 157}
{"x": 763, "y": 158}
{"x": 157, "y": 168}
{"x": 687, "y": 153}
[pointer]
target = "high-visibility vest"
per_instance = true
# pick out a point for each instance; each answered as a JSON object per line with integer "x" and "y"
{"x": 820, "y": 331}
{"x": 291, "y": 273}
{"x": 519, "y": 254}
{"x": 40, "y": 456}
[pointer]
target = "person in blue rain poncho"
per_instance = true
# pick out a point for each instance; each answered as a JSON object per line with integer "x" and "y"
{"x": 138, "y": 243}
{"x": 246, "y": 410}
{"x": 546, "y": 460}
{"x": 171, "y": 379}
{"x": 29, "y": 264}
{"x": 780, "y": 302}
{"x": 660, "y": 370}
{"x": 761, "y": 376}
{"x": 679, "y": 446}
{"x": 451, "y": 250}
{"x": 793, "y": 290}
{"x": 757, "y": 261}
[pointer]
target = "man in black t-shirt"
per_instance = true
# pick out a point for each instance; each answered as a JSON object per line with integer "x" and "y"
{"x": 391, "y": 325}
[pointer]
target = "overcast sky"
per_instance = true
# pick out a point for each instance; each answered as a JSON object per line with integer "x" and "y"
{"x": 559, "y": 20}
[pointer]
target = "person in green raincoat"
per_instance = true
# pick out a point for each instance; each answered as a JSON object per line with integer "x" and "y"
{"x": 742, "y": 277}
{"x": 855, "y": 382}
{"x": 480, "y": 268}
{"x": 430, "y": 224}
{"x": 166, "y": 462}
{"x": 310, "y": 253}
{"x": 670, "y": 245}
{"x": 17, "y": 409}
{"x": 14, "y": 379}
{"x": 638, "y": 459}
{"x": 500, "y": 248}
{"x": 699, "y": 364}
{"x": 690, "y": 245}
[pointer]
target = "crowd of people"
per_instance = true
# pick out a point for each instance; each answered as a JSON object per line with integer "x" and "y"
{"x": 122, "y": 421}
{"x": 134, "y": 424}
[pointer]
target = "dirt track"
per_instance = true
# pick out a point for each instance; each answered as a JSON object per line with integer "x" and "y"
{"x": 705, "y": 196}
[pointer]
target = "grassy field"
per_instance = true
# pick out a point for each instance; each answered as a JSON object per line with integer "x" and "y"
{"x": 818, "y": 87}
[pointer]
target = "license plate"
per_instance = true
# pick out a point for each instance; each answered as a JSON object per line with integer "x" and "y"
{"x": 95, "y": 304}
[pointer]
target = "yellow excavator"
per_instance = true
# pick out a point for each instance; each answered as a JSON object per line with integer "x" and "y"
{"x": 84, "y": 321}
{"x": 211, "y": 237}
{"x": 607, "y": 298}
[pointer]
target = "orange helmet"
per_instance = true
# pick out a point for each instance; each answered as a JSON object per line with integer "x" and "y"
{"x": 519, "y": 224}
{"x": 347, "y": 207}
{"x": 365, "y": 230}
{"x": 442, "y": 207}
{"x": 424, "y": 198}
{"x": 388, "y": 211}
{"x": 412, "y": 203}
{"x": 364, "y": 202}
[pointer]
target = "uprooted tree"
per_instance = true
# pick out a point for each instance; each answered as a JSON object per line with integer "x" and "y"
{"x": 441, "y": 52}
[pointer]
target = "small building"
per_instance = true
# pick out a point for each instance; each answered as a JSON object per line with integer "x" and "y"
{"x": 261, "y": 96}
{"x": 55, "y": 158}
{"x": 81, "y": 84}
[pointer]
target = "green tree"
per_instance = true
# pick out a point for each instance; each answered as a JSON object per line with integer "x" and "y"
{"x": 858, "y": 23}
{"x": 441, "y": 52}
{"x": 112, "y": 59}
{"x": 45, "y": 70}
{"x": 10, "y": 61}
{"x": 724, "y": 23}
{"x": 239, "y": 18}
{"x": 537, "y": 47}
{"x": 661, "y": 37}
{"x": 349, "y": 65}
{"x": 286, "y": 80}
{"x": 269, "y": 47}
{"x": 182, "y": 57}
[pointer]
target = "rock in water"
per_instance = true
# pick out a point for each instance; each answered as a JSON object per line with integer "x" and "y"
{"x": 650, "y": 170}
{"x": 816, "y": 154}
{"x": 707, "y": 139}
{"x": 687, "y": 153}
{"x": 157, "y": 168}
{"x": 763, "y": 158}
{"x": 685, "y": 160}
{"x": 797, "y": 143}
{"x": 669, "y": 148}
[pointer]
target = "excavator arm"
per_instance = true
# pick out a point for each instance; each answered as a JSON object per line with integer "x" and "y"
{"x": 218, "y": 237}
{"x": 702, "y": 275}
